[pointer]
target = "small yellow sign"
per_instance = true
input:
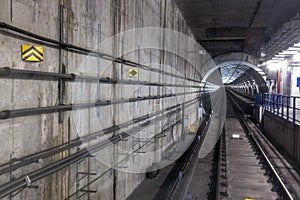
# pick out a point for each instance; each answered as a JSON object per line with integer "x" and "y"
{"x": 249, "y": 199}
{"x": 133, "y": 72}
{"x": 192, "y": 129}
{"x": 32, "y": 53}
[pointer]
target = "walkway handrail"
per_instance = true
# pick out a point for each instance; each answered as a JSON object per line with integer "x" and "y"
{"x": 286, "y": 107}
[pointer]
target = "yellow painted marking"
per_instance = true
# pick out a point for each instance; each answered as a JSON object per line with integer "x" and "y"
{"x": 133, "y": 72}
{"x": 192, "y": 129}
{"x": 32, "y": 53}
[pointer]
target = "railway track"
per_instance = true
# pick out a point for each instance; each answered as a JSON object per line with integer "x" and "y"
{"x": 243, "y": 165}
{"x": 284, "y": 180}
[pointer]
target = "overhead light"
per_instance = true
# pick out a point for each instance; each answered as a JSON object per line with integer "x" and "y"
{"x": 297, "y": 45}
{"x": 295, "y": 64}
{"x": 296, "y": 57}
{"x": 280, "y": 56}
{"x": 288, "y": 52}
{"x": 294, "y": 49}
{"x": 277, "y": 58}
{"x": 273, "y": 66}
{"x": 277, "y": 65}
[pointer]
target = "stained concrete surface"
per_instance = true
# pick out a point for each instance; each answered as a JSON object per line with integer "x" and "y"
{"x": 81, "y": 21}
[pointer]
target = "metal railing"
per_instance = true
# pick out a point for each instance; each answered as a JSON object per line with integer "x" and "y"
{"x": 286, "y": 107}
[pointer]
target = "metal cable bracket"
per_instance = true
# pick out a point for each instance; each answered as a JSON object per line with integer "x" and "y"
{"x": 28, "y": 181}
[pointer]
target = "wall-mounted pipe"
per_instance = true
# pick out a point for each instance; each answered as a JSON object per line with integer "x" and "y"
{"x": 6, "y": 114}
{"x": 80, "y": 50}
{"x": 21, "y": 162}
{"x": 20, "y": 183}
{"x": 7, "y": 72}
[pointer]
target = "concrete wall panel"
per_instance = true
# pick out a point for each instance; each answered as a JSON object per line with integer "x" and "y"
{"x": 283, "y": 133}
{"x": 83, "y": 23}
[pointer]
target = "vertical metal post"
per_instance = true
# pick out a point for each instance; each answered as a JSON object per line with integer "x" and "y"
{"x": 122, "y": 70}
{"x": 277, "y": 103}
{"x": 165, "y": 86}
{"x": 139, "y": 61}
{"x": 77, "y": 177}
{"x": 149, "y": 101}
{"x": 10, "y": 174}
{"x": 265, "y": 102}
{"x": 61, "y": 55}
{"x": 89, "y": 177}
{"x": 150, "y": 73}
{"x": 288, "y": 107}
{"x": 114, "y": 72}
{"x": 273, "y": 103}
{"x": 139, "y": 87}
{"x": 294, "y": 109}
{"x": 269, "y": 102}
{"x": 172, "y": 76}
{"x": 182, "y": 122}
{"x": 282, "y": 106}
{"x": 98, "y": 108}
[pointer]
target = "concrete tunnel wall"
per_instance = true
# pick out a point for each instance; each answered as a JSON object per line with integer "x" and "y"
{"x": 27, "y": 135}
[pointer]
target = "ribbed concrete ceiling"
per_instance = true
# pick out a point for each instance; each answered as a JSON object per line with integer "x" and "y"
{"x": 231, "y": 72}
{"x": 224, "y": 26}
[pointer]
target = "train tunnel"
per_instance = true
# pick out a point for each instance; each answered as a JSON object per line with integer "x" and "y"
{"x": 149, "y": 99}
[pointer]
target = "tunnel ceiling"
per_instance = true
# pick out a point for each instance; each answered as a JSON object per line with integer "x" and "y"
{"x": 231, "y": 72}
{"x": 235, "y": 25}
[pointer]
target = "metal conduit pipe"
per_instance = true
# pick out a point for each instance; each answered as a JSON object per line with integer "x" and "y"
{"x": 20, "y": 183}
{"x": 6, "y": 114}
{"x": 7, "y": 72}
{"x": 97, "y": 178}
{"x": 25, "y": 112}
{"x": 21, "y": 162}
{"x": 67, "y": 46}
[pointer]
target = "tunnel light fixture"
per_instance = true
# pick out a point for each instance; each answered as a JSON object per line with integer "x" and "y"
{"x": 294, "y": 48}
{"x": 297, "y": 45}
{"x": 295, "y": 65}
{"x": 296, "y": 57}
{"x": 286, "y": 52}
{"x": 277, "y": 58}
{"x": 276, "y": 65}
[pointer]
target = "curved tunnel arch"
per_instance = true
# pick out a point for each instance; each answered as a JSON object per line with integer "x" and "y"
{"x": 251, "y": 77}
{"x": 234, "y": 62}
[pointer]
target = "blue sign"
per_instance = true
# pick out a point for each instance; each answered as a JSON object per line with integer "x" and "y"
{"x": 298, "y": 82}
